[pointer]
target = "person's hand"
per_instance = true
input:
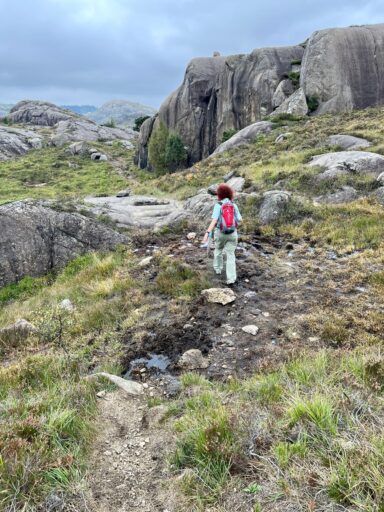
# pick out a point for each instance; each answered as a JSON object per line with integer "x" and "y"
{"x": 205, "y": 239}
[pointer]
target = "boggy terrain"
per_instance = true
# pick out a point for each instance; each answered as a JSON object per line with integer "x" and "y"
{"x": 287, "y": 418}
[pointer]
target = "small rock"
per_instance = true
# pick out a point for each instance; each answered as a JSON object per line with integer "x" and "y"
{"x": 219, "y": 295}
{"x": 250, "y": 294}
{"x": 228, "y": 176}
{"x": 193, "y": 359}
{"x": 124, "y": 193}
{"x": 67, "y": 305}
{"x": 187, "y": 326}
{"x": 145, "y": 262}
{"x": 99, "y": 157}
{"x": 212, "y": 189}
{"x": 18, "y": 331}
{"x": 250, "y": 329}
{"x": 101, "y": 394}
{"x": 129, "y": 386}
{"x": 191, "y": 235}
{"x": 266, "y": 314}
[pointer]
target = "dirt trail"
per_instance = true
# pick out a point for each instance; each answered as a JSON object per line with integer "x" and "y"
{"x": 127, "y": 462}
{"x": 279, "y": 282}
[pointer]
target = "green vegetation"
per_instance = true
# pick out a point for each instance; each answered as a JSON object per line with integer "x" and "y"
{"x": 296, "y": 62}
{"x": 227, "y": 134}
{"x": 303, "y": 423}
{"x": 313, "y": 103}
{"x": 166, "y": 151}
{"x": 178, "y": 279}
{"x": 139, "y": 121}
{"x": 48, "y": 174}
{"x": 294, "y": 76}
{"x": 110, "y": 124}
{"x": 45, "y": 428}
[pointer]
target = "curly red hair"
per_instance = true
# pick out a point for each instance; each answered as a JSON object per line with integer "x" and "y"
{"x": 225, "y": 192}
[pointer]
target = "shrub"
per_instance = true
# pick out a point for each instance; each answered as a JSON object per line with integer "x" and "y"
{"x": 296, "y": 62}
{"x": 110, "y": 124}
{"x": 157, "y": 147}
{"x": 313, "y": 103}
{"x": 294, "y": 76}
{"x": 139, "y": 121}
{"x": 166, "y": 151}
{"x": 228, "y": 134}
{"x": 175, "y": 153}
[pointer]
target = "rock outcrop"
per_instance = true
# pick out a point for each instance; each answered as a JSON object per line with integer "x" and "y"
{"x": 244, "y": 136}
{"x": 66, "y": 127}
{"x": 348, "y": 162}
{"x": 36, "y": 239}
{"x": 273, "y": 206}
{"x": 344, "y": 68}
{"x": 138, "y": 211}
{"x": 40, "y": 113}
{"x": 348, "y": 142}
{"x": 219, "y": 93}
{"x": 77, "y": 129}
{"x": 16, "y": 142}
{"x": 341, "y": 69}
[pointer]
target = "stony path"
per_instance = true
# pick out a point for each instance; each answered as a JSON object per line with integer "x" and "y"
{"x": 127, "y": 461}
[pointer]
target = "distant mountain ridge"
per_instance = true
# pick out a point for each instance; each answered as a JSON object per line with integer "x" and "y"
{"x": 122, "y": 112}
{"x": 80, "y": 109}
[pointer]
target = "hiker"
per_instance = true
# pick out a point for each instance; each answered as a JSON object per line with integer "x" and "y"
{"x": 225, "y": 219}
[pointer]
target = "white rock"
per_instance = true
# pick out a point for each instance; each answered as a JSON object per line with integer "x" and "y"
{"x": 191, "y": 235}
{"x": 67, "y": 305}
{"x": 250, "y": 329}
{"x": 193, "y": 359}
{"x": 129, "y": 386}
{"x": 145, "y": 261}
{"x": 219, "y": 295}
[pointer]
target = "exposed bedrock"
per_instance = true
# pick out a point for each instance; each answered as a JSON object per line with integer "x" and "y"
{"x": 36, "y": 239}
{"x": 337, "y": 70}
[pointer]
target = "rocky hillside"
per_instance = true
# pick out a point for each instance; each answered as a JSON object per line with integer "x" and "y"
{"x": 335, "y": 70}
{"x": 130, "y": 364}
{"x": 120, "y": 112}
{"x": 36, "y": 124}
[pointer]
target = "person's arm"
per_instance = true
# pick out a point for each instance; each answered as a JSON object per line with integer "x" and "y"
{"x": 209, "y": 230}
{"x": 215, "y": 218}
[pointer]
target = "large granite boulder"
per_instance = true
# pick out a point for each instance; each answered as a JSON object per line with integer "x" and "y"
{"x": 344, "y": 195}
{"x": 36, "y": 239}
{"x": 348, "y": 162}
{"x": 273, "y": 206}
{"x": 41, "y": 113}
{"x": 344, "y": 68}
{"x": 348, "y": 142}
{"x": 15, "y": 142}
{"x": 245, "y": 136}
{"x": 219, "y": 93}
{"x": 77, "y": 129}
{"x": 283, "y": 91}
{"x": 296, "y": 105}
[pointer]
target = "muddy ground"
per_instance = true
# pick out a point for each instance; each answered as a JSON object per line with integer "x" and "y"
{"x": 280, "y": 280}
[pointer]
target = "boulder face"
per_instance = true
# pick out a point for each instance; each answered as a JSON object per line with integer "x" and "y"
{"x": 244, "y": 136}
{"x": 41, "y": 113}
{"x": 219, "y": 93}
{"x": 338, "y": 69}
{"x": 344, "y": 68}
{"x": 36, "y": 239}
{"x": 15, "y": 142}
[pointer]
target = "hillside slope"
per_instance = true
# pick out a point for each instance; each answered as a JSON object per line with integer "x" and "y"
{"x": 290, "y": 418}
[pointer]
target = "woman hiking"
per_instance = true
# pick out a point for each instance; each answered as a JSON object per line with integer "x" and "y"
{"x": 225, "y": 219}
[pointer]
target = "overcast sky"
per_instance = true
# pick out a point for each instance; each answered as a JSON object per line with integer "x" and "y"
{"x": 90, "y": 51}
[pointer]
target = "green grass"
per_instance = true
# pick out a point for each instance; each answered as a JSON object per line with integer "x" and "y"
{"x": 45, "y": 428}
{"x": 46, "y": 174}
{"x": 177, "y": 279}
{"x": 295, "y": 425}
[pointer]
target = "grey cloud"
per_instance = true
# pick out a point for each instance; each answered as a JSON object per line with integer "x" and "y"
{"x": 81, "y": 51}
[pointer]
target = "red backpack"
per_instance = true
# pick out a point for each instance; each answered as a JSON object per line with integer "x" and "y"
{"x": 228, "y": 222}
